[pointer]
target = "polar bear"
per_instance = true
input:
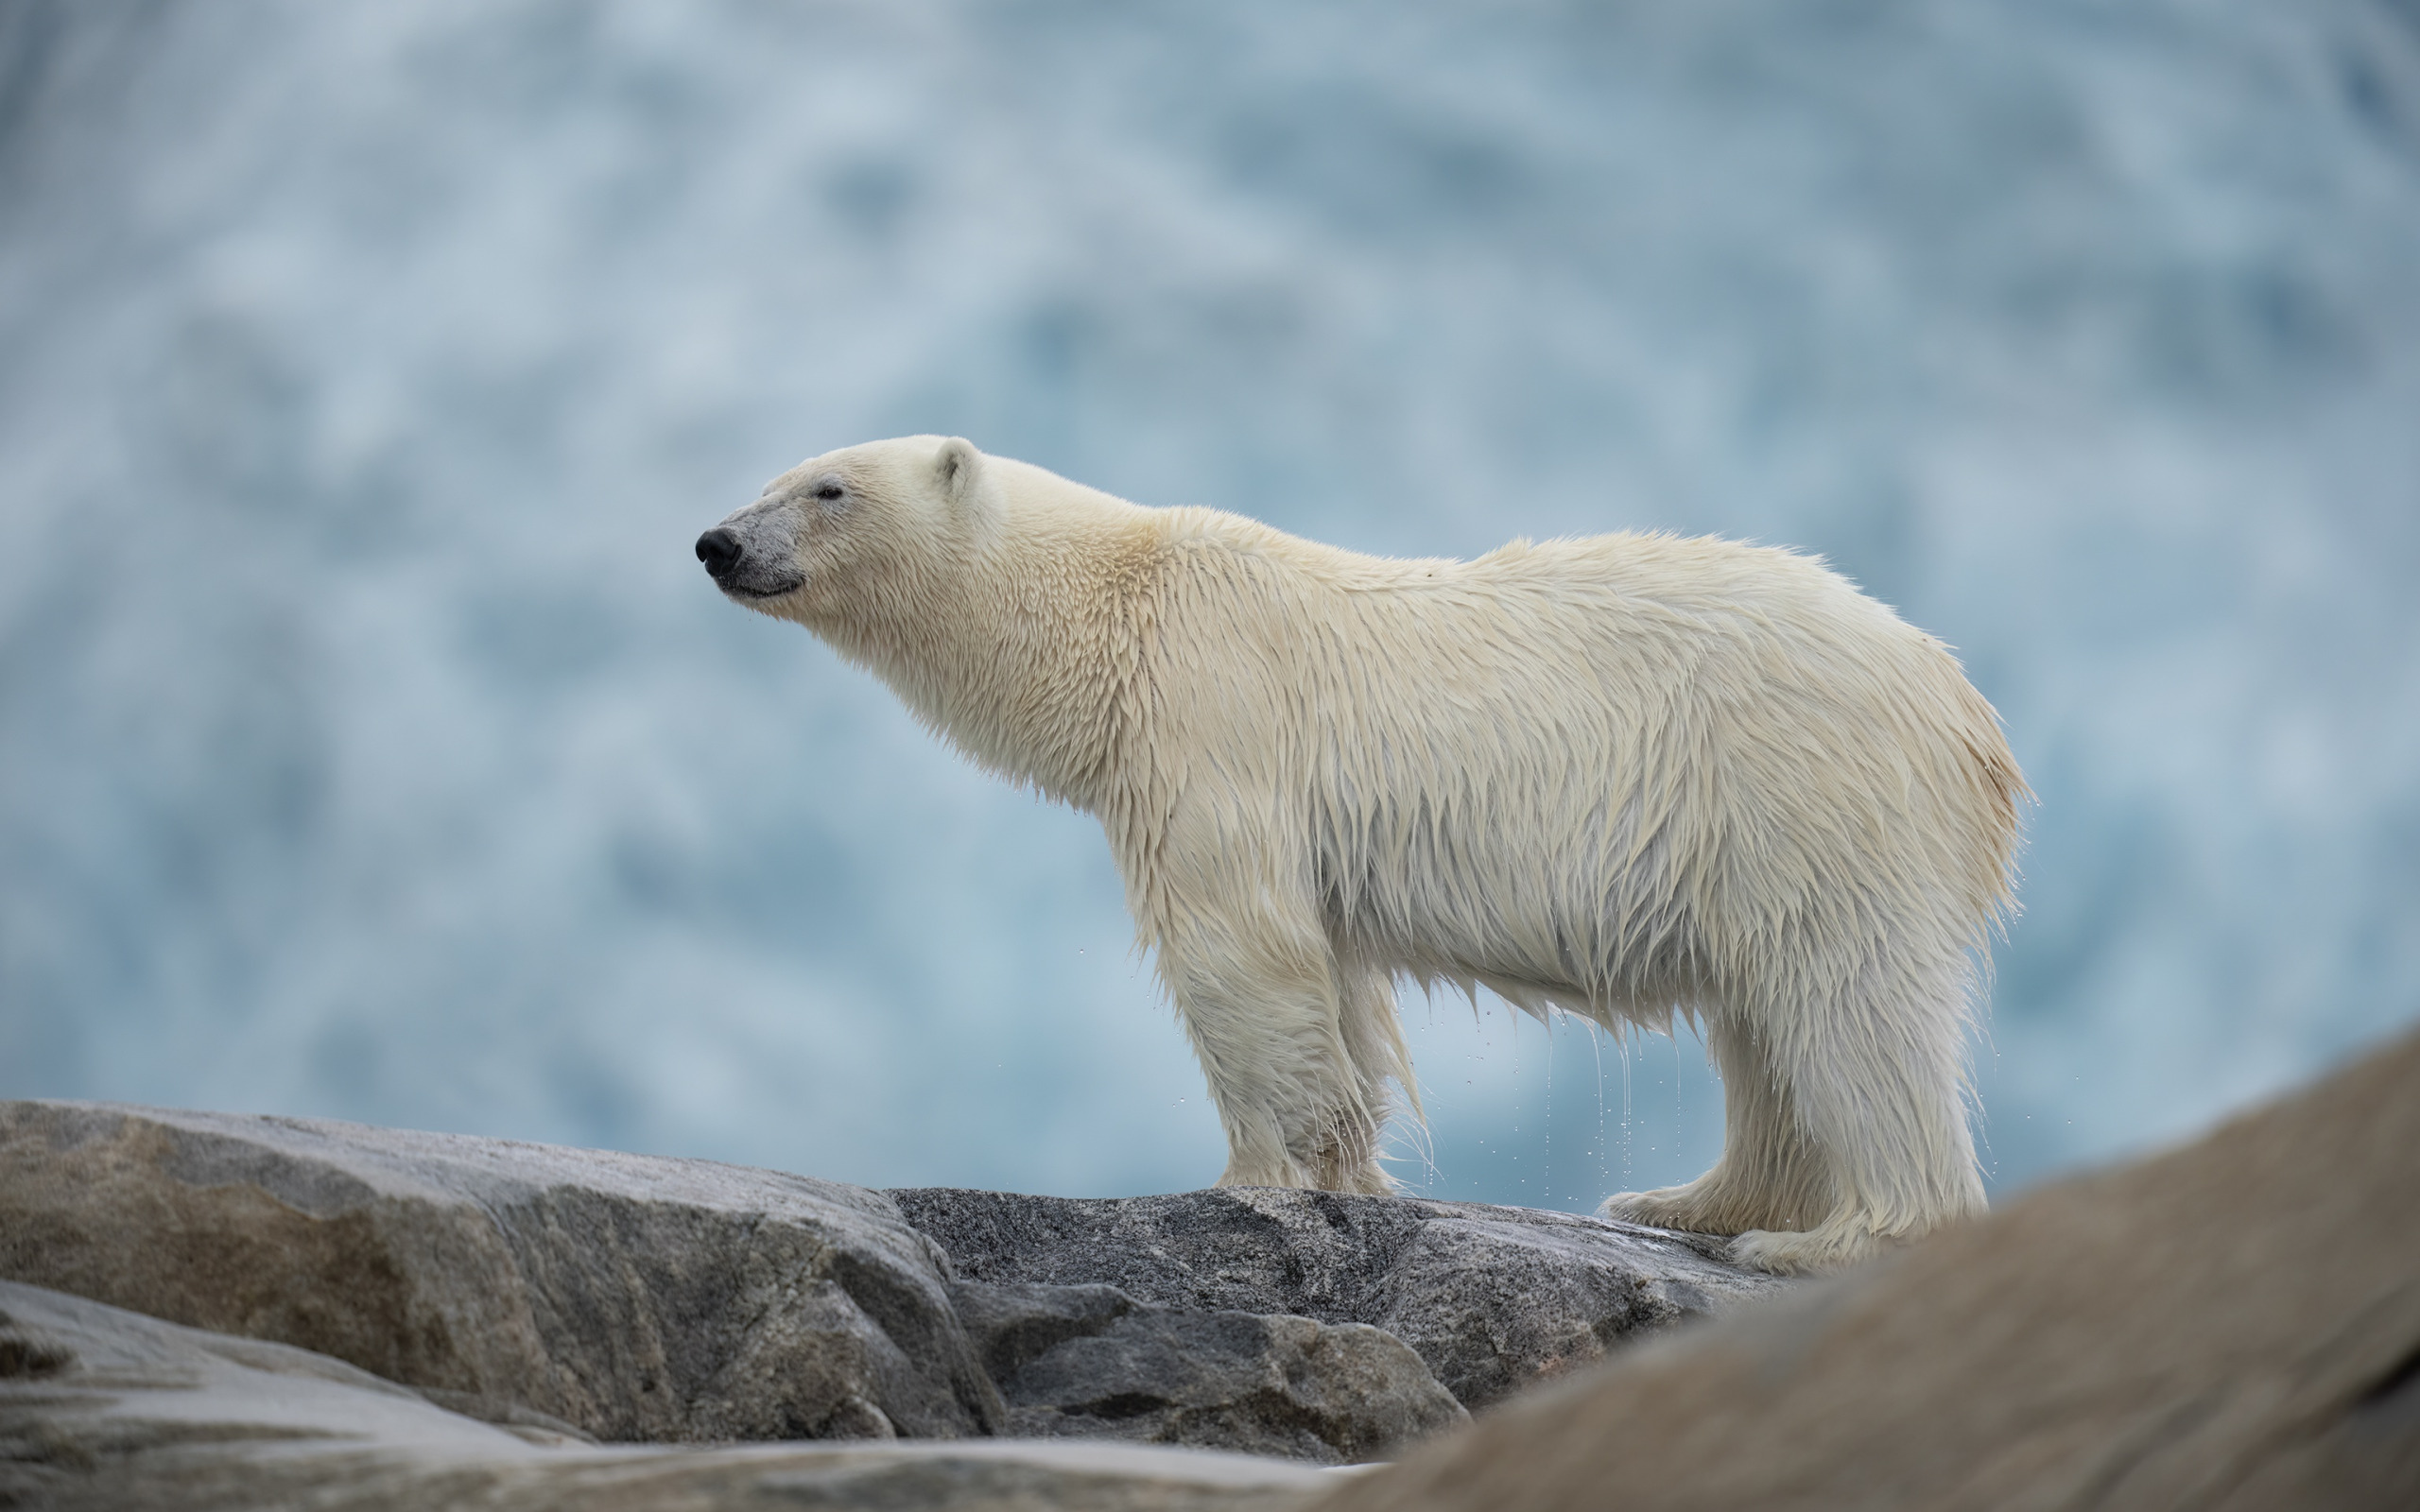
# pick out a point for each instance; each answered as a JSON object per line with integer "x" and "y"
{"x": 1629, "y": 776}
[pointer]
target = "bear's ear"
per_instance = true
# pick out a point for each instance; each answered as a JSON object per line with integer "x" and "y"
{"x": 960, "y": 466}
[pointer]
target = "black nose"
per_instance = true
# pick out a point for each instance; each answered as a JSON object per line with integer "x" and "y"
{"x": 719, "y": 550}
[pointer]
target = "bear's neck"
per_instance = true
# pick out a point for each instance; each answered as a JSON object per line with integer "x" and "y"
{"x": 1025, "y": 654}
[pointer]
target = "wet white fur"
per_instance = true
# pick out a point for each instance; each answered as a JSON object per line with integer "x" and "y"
{"x": 1628, "y": 777}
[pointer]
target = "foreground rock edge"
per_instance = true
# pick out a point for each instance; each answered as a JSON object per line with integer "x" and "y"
{"x": 104, "y": 1408}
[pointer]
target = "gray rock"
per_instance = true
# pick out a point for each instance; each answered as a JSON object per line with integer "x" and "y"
{"x": 1090, "y": 1362}
{"x": 102, "y": 1410}
{"x": 1492, "y": 1299}
{"x": 631, "y": 1298}
{"x": 567, "y": 1293}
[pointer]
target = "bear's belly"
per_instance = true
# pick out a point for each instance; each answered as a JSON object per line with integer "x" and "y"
{"x": 1607, "y": 953}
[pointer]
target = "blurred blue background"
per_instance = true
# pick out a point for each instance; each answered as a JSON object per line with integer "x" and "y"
{"x": 371, "y": 746}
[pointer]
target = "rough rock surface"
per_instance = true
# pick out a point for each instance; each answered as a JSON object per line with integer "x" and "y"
{"x": 106, "y": 1411}
{"x": 637, "y": 1299}
{"x": 634, "y": 1298}
{"x": 1492, "y": 1299}
{"x": 2231, "y": 1326}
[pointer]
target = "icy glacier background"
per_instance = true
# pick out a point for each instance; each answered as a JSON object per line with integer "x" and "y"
{"x": 371, "y": 746}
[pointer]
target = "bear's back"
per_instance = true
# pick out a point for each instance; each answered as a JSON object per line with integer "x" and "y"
{"x": 1526, "y": 759}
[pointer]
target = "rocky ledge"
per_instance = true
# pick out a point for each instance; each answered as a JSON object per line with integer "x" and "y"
{"x": 587, "y": 1297}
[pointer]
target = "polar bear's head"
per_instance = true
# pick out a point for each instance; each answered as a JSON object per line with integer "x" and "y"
{"x": 838, "y": 531}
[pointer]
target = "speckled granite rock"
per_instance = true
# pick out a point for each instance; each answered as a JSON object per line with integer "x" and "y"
{"x": 637, "y": 1299}
{"x": 106, "y": 1411}
{"x": 1492, "y": 1299}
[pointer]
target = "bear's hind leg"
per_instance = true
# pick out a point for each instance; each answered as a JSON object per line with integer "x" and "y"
{"x": 1769, "y": 1176}
{"x": 1876, "y": 1074}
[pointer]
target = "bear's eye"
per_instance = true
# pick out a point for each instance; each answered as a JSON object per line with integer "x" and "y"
{"x": 828, "y": 491}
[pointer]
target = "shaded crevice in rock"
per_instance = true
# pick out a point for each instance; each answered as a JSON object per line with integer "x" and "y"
{"x": 1013, "y": 1325}
{"x": 1092, "y": 1362}
{"x": 1232, "y": 1381}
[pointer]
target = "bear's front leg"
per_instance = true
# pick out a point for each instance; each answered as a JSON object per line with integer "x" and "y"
{"x": 1259, "y": 991}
